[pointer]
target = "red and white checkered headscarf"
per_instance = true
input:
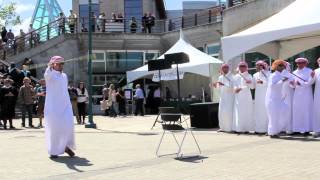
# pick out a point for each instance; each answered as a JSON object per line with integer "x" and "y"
{"x": 263, "y": 63}
{"x": 56, "y": 59}
{"x": 223, "y": 66}
{"x": 298, "y": 60}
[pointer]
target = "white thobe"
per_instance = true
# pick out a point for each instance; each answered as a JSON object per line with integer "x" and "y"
{"x": 302, "y": 105}
{"x": 58, "y": 115}
{"x": 316, "y": 104}
{"x": 275, "y": 104}
{"x": 226, "y": 102}
{"x": 243, "y": 105}
{"x": 260, "y": 113}
{"x": 287, "y": 96}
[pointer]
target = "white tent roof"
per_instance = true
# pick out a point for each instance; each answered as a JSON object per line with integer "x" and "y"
{"x": 299, "y": 20}
{"x": 199, "y": 61}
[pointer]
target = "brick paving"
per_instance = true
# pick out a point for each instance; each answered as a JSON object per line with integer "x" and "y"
{"x": 124, "y": 148}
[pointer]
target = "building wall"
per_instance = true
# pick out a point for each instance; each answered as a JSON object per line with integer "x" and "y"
{"x": 192, "y": 7}
{"x": 111, "y": 6}
{"x": 254, "y": 11}
{"x": 150, "y": 6}
{"x": 117, "y": 6}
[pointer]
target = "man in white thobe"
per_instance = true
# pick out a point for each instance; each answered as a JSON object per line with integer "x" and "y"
{"x": 275, "y": 104}
{"x": 260, "y": 81}
{"x": 316, "y": 104}
{"x": 303, "y": 98}
{"x": 287, "y": 96}
{"x": 243, "y": 105}
{"x": 58, "y": 115}
{"x": 226, "y": 102}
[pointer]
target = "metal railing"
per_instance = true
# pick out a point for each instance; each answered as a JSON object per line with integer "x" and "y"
{"x": 26, "y": 41}
{"x": 236, "y": 2}
{"x": 123, "y": 25}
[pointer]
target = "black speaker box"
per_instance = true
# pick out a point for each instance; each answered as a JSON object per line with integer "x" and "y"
{"x": 204, "y": 115}
{"x": 158, "y": 65}
{"x": 177, "y": 58}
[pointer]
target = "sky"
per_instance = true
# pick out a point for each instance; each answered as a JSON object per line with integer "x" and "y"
{"x": 25, "y": 9}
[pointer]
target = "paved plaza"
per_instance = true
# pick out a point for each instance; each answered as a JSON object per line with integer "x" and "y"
{"x": 124, "y": 148}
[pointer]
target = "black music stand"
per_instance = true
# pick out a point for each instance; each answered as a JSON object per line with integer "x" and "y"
{"x": 177, "y": 58}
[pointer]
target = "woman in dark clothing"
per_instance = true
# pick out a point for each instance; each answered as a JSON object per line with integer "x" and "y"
{"x": 122, "y": 102}
{"x": 82, "y": 99}
{"x": 8, "y": 95}
{"x": 150, "y": 103}
{"x": 4, "y": 34}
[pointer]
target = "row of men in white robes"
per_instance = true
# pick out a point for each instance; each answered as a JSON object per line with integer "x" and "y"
{"x": 283, "y": 100}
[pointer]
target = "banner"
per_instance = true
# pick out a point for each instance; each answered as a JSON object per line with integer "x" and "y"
{"x": 167, "y": 75}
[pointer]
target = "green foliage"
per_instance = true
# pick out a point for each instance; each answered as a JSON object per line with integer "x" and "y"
{"x": 8, "y": 15}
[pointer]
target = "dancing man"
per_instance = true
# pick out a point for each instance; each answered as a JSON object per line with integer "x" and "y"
{"x": 58, "y": 115}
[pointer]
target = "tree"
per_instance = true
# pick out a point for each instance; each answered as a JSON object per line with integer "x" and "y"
{"x": 8, "y": 15}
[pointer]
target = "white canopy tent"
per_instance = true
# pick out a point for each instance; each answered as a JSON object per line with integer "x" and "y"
{"x": 294, "y": 29}
{"x": 200, "y": 63}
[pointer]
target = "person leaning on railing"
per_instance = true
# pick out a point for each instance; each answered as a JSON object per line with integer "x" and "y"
{"x": 61, "y": 23}
{"x": 144, "y": 22}
{"x": 32, "y": 36}
{"x": 113, "y": 17}
{"x": 72, "y": 21}
{"x": 150, "y": 22}
{"x": 133, "y": 25}
{"x": 4, "y": 34}
{"x": 119, "y": 18}
{"x": 102, "y": 22}
{"x": 21, "y": 41}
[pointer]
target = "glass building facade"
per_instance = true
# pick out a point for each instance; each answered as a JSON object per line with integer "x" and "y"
{"x": 111, "y": 66}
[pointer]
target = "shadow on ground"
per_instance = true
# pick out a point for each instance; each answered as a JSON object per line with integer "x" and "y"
{"x": 299, "y": 138}
{"x": 73, "y": 163}
{"x": 191, "y": 159}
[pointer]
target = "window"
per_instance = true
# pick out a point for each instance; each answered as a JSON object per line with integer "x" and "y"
{"x": 110, "y": 64}
{"x": 99, "y": 56}
{"x": 134, "y": 60}
{"x": 213, "y": 50}
{"x": 133, "y": 8}
{"x": 123, "y": 61}
{"x": 99, "y": 63}
{"x": 152, "y": 56}
{"x": 116, "y": 62}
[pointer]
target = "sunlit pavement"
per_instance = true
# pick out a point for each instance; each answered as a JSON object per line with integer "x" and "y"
{"x": 125, "y": 148}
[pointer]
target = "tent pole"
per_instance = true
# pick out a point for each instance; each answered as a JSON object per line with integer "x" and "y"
{"x": 160, "y": 84}
{"x": 178, "y": 81}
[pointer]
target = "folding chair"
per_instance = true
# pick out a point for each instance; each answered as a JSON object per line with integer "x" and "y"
{"x": 157, "y": 119}
{"x": 171, "y": 121}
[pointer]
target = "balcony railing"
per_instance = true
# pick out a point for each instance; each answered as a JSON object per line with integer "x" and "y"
{"x": 26, "y": 41}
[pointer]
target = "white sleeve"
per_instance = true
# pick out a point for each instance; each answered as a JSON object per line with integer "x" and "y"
{"x": 49, "y": 74}
{"x": 254, "y": 82}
